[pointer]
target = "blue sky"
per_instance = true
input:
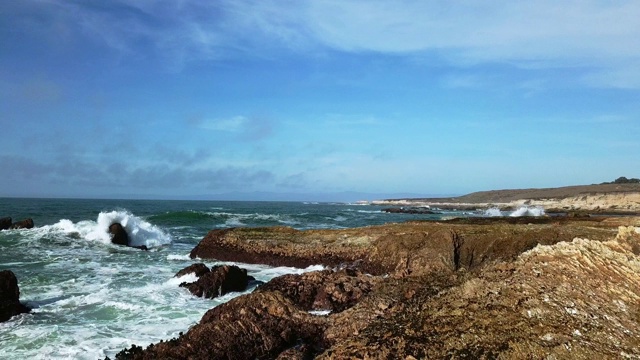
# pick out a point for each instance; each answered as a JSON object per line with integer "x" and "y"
{"x": 189, "y": 99}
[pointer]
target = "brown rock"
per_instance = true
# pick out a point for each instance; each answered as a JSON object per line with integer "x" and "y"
{"x": 219, "y": 281}
{"x": 10, "y": 296}
{"x": 198, "y": 269}
{"x": 411, "y": 248}
{"x": 23, "y": 224}
{"x": 323, "y": 290}
{"x": 256, "y": 326}
{"x": 119, "y": 235}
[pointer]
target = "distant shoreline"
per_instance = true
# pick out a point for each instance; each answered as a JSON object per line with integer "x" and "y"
{"x": 608, "y": 198}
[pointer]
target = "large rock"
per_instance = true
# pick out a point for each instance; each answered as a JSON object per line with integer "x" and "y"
{"x": 198, "y": 269}
{"x": 323, "y": 290}
{"x": 23, "y": 224}
{"x": 399, "y": 249}
{"x": 219, "y": 281}
{"x": 119, "y": 235}
{"x": 5, "y": 223}
{"x": 10, "y": 296}
{"x": 558, "y": 301}
{"x": 256, "y": 326}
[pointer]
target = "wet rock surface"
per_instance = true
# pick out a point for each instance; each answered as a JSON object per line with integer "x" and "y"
{"x": 10, "y": 296}
{"x": 462, "y": 289}
{"x": 217, "y": 281}
{"x": 119, "y": 235}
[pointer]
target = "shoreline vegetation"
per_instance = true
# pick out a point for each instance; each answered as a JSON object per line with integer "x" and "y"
{"x": 477, "y": 288}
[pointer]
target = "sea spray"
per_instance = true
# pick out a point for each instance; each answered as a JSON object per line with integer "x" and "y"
{"x": 521, "y": 211}
{"x": 140, "y": 231}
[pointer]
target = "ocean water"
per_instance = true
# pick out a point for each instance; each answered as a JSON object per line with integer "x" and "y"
{"x": 91, "y": 298}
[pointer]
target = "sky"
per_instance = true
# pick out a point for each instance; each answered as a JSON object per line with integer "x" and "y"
{"x": 317, "y": 100}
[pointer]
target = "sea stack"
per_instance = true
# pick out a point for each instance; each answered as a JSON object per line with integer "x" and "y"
{"x": 119, "y": 235}
{"x": 9, "y": 296}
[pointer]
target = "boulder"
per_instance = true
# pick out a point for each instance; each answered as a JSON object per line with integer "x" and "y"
{"x": 5, "y": 223}
{"x": 198, "y": 269}
{"x": 323, "y": 290}
{"x": 9, "y": 296}
{"x": 23, "y": 224}
{"x": 219, "y": 281}
{"x": 119, "y": 235}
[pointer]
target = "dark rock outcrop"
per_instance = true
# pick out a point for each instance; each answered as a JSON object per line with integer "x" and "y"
{"x": 198, "y": 269}
{"x": 5, "y": 223}
{"x": 119, "y": 235}
{"x": 10, "y": 296}
{"x": 23, "y": 224}
{"x": 219, "y": 281}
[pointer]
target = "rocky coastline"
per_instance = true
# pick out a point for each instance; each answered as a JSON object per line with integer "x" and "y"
{"x": 465, "y": 288}
{"x": 602, "y": 199}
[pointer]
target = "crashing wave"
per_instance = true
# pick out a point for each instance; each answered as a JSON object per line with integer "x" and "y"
{"x": 140, "y": 231}
{"x": 521, "y": 211}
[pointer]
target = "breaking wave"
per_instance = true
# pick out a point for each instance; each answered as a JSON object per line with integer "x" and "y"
{"x": 521, "y": 211}
{"x": 140, "y": 231}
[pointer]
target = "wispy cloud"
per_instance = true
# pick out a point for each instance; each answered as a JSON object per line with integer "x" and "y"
{"x": 245, "y": 128}
{"x": 599, "y": 36}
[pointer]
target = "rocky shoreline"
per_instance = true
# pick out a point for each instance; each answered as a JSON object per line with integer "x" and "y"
{"x": 465, "y": 288}
{"x": 611, "y": 199}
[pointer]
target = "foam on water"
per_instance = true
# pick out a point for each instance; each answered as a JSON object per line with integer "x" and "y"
{"x": 521, "y": 211}
{"x": 140, "y": 231}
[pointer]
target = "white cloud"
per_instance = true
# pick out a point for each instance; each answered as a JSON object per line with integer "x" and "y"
{"x": 600, "y": 36}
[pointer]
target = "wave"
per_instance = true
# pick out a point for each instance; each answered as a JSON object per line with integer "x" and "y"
{"x": 521, "y": 211}
{"x": 140, "y": 231}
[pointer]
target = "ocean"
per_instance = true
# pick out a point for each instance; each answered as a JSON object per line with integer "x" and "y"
{"x": 91, "y": 298}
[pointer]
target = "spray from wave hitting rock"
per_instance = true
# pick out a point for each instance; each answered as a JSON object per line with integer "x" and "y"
{"x": 140, "y": 231}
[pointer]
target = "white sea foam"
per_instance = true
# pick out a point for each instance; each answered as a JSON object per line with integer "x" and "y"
{"x": 178, "y": 257}
{"x": 521, "y": 211}
{"x": 140, "y": 231}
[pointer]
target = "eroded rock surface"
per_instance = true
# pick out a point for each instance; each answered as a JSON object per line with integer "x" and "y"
{"x": 260, "y": 325}
{"x": 399, "y": 249}
{"x": 218, "y": 281}
{"x": 488, "y": 290}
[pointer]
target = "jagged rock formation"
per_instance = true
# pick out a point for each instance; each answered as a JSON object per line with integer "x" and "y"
{"x": 5, "y": 223}
{"x": 10, "y": 296}
{"x": 119, "y": 235}
{"x": 495, "y": 292}
{"x": 217, "y": 281}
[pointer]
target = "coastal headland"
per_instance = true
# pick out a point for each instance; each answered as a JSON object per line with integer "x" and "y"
{"x": 609, "y": 198}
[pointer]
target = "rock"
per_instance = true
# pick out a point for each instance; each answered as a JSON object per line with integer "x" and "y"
{"x": 532, "y": 307}
{"x": 198, "y": 269}
{"x": 119, "y": 235}
{"x": 23, "y": 224}
{"x": 255, "y": 326}
{"x": 5, "y": 223}
{"x": 10, "y": 296}
{"x": 398, "y": 249}
{"x": 323, "y": 290}
{"x": 219, "y": 281}
{"x": 412, "y": 210}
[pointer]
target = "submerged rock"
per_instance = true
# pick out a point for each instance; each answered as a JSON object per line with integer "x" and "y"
{"x": 10, "y": 296}
{"x": 218, "y": 281}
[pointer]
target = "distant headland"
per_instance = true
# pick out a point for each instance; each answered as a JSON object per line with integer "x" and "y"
{"x": 617, "y": 197}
